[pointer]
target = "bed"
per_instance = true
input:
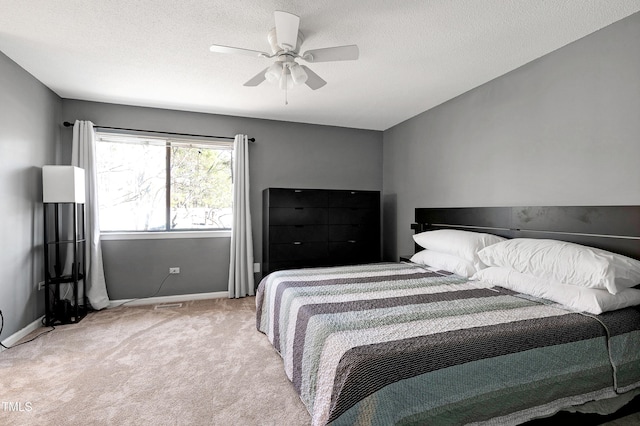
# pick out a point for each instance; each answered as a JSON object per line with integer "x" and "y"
{"x": 408, "y": 343}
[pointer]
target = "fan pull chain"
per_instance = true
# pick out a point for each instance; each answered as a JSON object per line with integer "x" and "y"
{"x": 283, "y": 80}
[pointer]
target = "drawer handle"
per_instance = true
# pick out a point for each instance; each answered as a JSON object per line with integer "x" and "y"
{"x": 298, "y": 226}
{"x": 352, "y": 241}
{"x": 299, "y": 208}
{"x": 297, "y": 243}
{"x": 353, "y": 192}
{"x": 297, "y": 190}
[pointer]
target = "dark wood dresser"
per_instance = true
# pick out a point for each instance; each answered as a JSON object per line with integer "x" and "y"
{"x": 319, "y": 227}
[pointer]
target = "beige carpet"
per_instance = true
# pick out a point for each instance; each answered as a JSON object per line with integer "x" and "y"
{"x": 202, "y": 364}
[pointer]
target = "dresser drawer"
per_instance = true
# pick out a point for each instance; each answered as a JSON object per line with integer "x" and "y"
{"x": 353, "y": 233}
{"x": 297, "y": 198}
{"x": 297, "y": 216}
{"x": 348, "y": 216}
{"x": 361, "y": 199}
{"x": 304, "y": 233}
{"x": 298, "y": 251}
{"x": 353, "y": 252}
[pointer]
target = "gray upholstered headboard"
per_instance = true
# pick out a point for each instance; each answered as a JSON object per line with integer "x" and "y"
{"x": 613, "y": 228}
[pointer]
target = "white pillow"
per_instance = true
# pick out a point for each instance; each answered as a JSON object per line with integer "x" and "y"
{"x": 565, "y": 262}
{"x": 462, "y": 244}
{"x": 444, "y": 262}
{"x": 592, "y": 300}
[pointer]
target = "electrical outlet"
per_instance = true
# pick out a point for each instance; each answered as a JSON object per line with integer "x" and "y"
{"x": 256, "y": 267}
{"x": 41, "y": 285}
{"x": 174, "y": 270}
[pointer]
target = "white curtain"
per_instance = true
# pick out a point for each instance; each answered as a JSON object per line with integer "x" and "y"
{"x": 241, "y": 281}
{"x": 83, "y": 155}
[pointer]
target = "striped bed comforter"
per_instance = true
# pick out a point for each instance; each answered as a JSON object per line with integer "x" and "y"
{"x": 394, "y": 343}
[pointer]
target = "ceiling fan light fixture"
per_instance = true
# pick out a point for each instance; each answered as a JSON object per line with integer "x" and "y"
{"x": 298, "y": 75}
{"x": 286, "y": 40}
{"x": 286, "y": 82}
{"x": 274, "y": 72}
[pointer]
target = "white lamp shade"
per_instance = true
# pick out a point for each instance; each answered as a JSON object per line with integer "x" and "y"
{"x": 297, "y": 74}
{"x": 62, "y": 184}
{"x": 274, "y": 72}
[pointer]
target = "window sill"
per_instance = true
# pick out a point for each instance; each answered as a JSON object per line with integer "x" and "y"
{"x": 114, "y": 236}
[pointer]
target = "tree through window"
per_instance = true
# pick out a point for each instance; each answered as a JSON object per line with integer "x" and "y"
{"x": 148, "y": 183}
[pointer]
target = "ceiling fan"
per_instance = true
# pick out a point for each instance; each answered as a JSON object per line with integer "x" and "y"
{"x": 285, "y": 40}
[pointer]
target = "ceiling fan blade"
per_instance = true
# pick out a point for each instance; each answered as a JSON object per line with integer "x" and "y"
{"x": 259, "y": 78}
{"x": 313, "y": 80}
{"x": 340, "y": 53}
{"x": 226, "y": 49}
{"x": 287, "y": 29}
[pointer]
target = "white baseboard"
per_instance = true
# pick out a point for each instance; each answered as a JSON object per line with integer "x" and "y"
{"x": 15, "y": 337}
{"x": 168, "y": 299}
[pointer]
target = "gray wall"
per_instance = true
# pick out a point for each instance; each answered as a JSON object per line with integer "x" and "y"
{"x": 284, "y": 155}
{"x": 29, "y": 132}
{"x": 562, "y": 130}
{"x": 139, "y": 268}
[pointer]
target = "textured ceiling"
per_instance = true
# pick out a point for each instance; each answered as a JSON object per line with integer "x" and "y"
{"x": 414, "y": 54}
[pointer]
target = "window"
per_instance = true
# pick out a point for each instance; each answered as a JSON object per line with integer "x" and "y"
{"x": 149, "y": 183}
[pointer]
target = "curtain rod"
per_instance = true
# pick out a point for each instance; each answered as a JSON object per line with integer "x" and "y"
{"x": 68, "y": 124}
